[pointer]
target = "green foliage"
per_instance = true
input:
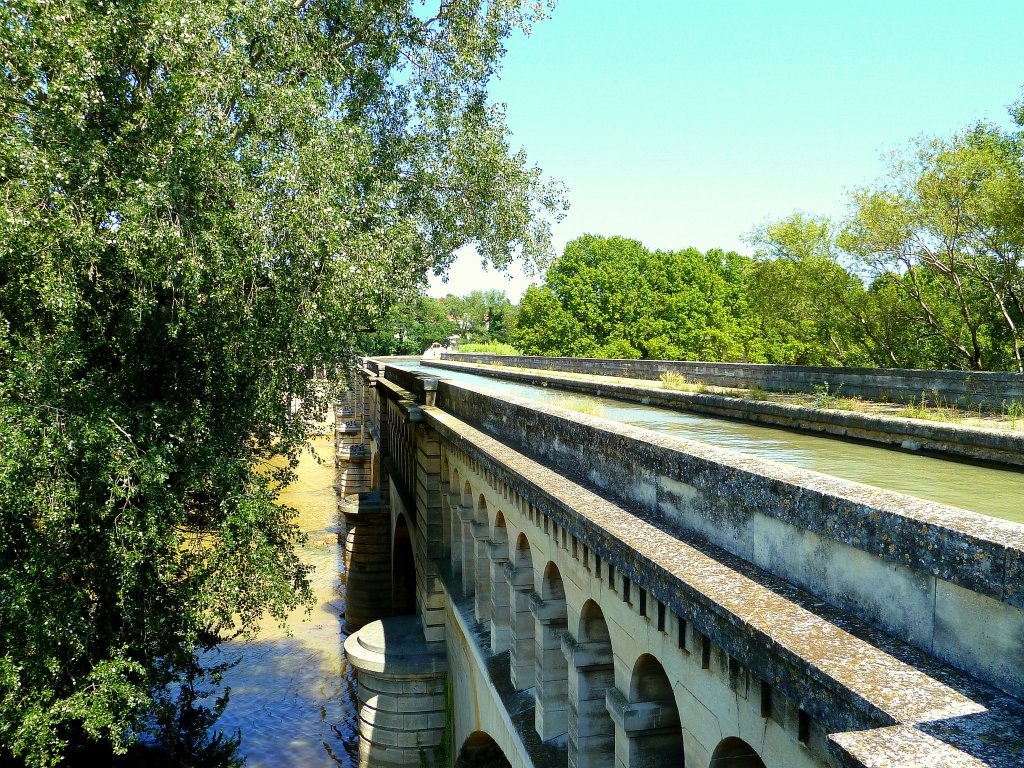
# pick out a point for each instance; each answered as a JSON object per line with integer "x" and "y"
{"x": 823, "y": 397}
{"x": 411, "y": 327}
{"x": 481, "y": 316}
{"x": 490, "y": 348}
{"x": 611, "y": 297}
{"x": 926, "y": 271}
{"x": 201, "y": 206}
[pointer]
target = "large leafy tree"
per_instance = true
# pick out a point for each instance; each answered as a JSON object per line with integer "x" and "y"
{"x": 612, "y": 297}
{"x": 201, "y": 203}
{"x": 946, "y": 232}
{"x": 926, "y": 270}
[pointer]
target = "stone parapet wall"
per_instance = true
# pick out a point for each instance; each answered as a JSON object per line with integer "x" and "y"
{"x": 968, "y": 389}
{"x": 932, "y": 575}
{"x": 991, "y": 445}
{"x": 594, "y": 579}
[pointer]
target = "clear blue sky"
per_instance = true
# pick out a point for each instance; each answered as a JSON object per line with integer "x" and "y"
{"x": 688, "y": 123}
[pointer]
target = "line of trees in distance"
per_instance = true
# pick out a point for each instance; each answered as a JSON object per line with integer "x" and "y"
{"x": 925, "y": 270}
{"x": 479, "y": 317}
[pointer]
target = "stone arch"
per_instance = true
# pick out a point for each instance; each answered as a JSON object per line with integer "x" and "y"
{"x": 501, "y": 600}
{"x": 481, "y": 510}
{"x": 499, "y": 531}
{"x": 482, "y": 559}
{"x": 524, "y": 555}
{"x": 479, "y": 750}
{"x": 519, "y": 574}
{"x": 551, "y": 692}
{"x": 655, "y": 736}
{"x": 403, "y": 570}
{"x": 735, "y": 753}
{"x": 591, "y": 674}
{"x": 467, "y": 495}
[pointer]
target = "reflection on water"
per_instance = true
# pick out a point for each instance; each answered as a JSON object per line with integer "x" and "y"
{"x": 984, "y": 489}
{"x": 292, "y": 697}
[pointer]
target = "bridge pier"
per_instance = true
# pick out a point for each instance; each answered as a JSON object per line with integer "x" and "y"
{"x": 523, "y": 649}
{"x": 501, "y": 628}
{"x": 353, "y": 467}
{"x": 482, "y": 586}
{"x": 347, "y": 433}
{"x": 647, "y": 733}
{"x": 403, "y": 712}
{"x": 552, "y": 684}
{"x": 367, "y": 558}
{"x": 591, "y": 674}
{"x": 455, "y": 523}
{"x": 468, "y": 559}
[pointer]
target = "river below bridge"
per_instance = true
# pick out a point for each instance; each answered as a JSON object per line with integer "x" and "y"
{"x": 989, "y": 490}
{"x": 292, "y": 691}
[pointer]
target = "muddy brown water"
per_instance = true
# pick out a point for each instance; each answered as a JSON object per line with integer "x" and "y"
{"x": 292, "y": 691}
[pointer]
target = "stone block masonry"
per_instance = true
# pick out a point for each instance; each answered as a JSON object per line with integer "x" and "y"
{"x": 604, "y": 597}
{"x": 918, "y": 569}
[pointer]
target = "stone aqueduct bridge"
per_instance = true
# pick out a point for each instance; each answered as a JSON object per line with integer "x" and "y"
{"x": 566, "y": 591}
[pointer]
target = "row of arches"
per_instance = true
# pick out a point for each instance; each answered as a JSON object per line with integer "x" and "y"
{"x": 570, "y": 669}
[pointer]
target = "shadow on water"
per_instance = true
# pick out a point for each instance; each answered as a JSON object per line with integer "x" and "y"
{"x": 293, "y": 703}
{"x": 292, "y": 689}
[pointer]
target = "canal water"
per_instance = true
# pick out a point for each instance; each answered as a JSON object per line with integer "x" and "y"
{"x": 292, "y": 691}
{"x": 984, "y": 489}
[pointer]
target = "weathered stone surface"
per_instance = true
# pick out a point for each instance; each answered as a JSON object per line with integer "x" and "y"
{"x": 966, "y": 388}
{"x": 401, "y": 692}
{"x": 731, "y": 491}
{"x": 827, "y": 671}
{"x": 835, "y": 666}
{"x": 994, "y": 445}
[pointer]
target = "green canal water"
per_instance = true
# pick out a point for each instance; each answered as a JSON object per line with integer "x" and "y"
{"x": 988, "y": 490}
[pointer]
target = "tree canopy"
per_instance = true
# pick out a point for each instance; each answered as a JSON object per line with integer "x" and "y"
{"x": 925, "y": 271}
{"x": 611, "y": 297}
{"x": 937, "y": 248}
{"x": 201, "y": 206}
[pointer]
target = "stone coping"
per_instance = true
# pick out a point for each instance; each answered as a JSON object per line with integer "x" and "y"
{"x": 395, "y": 647}
{"x": 994, "y": 445}
{"x": 866, "y": 685}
